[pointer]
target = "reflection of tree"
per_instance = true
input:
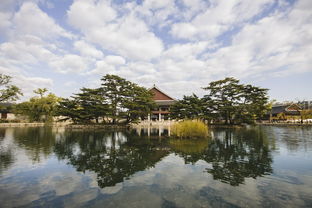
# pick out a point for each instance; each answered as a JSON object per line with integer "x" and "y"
{"x": 36, "y": 141}
{"x": 6, "y": 153}
{"x": 236, "y": 155}
{"x": 294, "y": 138}
{"x": 2, "y": 133}
{"x": 6, "y": 159}
{"x": 113, "y": 156}
{"x": 190, "y": 149}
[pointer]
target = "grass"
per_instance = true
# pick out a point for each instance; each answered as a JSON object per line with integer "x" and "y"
{"x": 190, "y": 129}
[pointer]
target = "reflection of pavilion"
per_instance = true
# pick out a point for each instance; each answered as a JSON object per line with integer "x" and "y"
{"x": 163, "y": 102}
{"x": 155, "y": 131}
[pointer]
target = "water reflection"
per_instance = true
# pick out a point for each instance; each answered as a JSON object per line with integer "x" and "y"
{"x": 113, "y": 156}
{"x": 82, "y": 168}
{"x": 6, "y": 159}
{"x": 37, "y": 142}
{"x": 6, "y": 153}
{"x": 234, "y": 154}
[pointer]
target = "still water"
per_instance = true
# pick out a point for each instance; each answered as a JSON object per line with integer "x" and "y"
{"x": 247, "y": 167}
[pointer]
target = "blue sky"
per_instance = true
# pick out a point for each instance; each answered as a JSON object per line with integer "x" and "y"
{"x": 179, "y": 45}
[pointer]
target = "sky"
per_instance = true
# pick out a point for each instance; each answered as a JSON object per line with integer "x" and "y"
{"x": 178, "y": 45}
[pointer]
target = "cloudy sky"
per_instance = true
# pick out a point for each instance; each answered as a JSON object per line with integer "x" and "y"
{"x": 179, "y": 45}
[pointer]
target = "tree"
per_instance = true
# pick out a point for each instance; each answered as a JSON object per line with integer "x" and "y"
{"x": 88, "y": 105}
{"x": 305, "y": 111}
{"x": 190, "y": 107}
{"x": 254, "y": 103}
{"x": 116, "y": 101}
{"x": 225, "y": 95}
{"x": 41, "y": 91}
{"x": 116, "y": 90}
{"x": 92, "y": 104}
{"x": 139, "y": 104}
{"x": 8, "y": 92}
{"x": 70, "y": 109}
{"x": 41, "y": 108}
{"x": 235, "y": 102}
{"x": 128, "y": 102}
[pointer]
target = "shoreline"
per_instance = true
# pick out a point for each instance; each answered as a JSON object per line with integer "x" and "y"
{"x": 284, "y": 124}
{"x": 28, "y": 124}
{"x": 143, "y": 125}
{"x": 95, "y": 126}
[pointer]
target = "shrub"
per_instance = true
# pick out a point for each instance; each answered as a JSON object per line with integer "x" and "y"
{"x": 190, "y": 129}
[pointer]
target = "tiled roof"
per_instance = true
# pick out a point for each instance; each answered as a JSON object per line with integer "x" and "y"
{"x": 159, "y": 95}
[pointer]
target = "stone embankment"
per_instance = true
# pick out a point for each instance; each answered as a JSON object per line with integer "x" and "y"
{"x": 285, "y": 124}
{"x": 31, "y": 124}
{"x": 95, "y": 126}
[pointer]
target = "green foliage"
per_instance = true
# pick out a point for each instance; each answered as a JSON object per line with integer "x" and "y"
{"x": 8, "y": 92}
{"x": 139, "y": 104}
{"x": 41, "y": 108}
{"x": 306, "y": 114}
{"x": 84, "y": 107}
{"x": 227, "y": 100}
{"x": 41, "y": 91}
{"x": 235, "y": 102}
{"x": 128, "y": 102}
{"x": 190, "y": 107}
{"x": 190, "y": 129}
{"x": 116, "y": 101}
{"x": 69, "y": 108}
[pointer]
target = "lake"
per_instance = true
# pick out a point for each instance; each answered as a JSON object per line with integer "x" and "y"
{"x": 261, "y": 166}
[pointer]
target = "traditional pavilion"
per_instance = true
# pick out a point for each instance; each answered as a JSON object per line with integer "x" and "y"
{"x": 163, "y": 102}
{"x": 285, "y": 112}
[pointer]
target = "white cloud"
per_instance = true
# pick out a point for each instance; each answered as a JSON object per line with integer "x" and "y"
{"x": 194, "y": 7}
{"x": 115, "y": 60}
{"x": 219, "y": 17}
{"x": 127, "y": 35}
{"x": 220, "y": 38}
{"x": 29, "y": 50}
{"x": 157, "y": 12}
{"x": 108, "y": 65}
{"x": 280, "y": 43}
{"x": 102, "y": 68}
{"x": 25, "y": 82}
{"x": 70, "y": 63}
{"x": 87, "y": 49}
{"x": 32, "y": 20}
{"x": 89, "y": 14}
{"x": 183, "y": 51}
{"x": 4, "y": 21}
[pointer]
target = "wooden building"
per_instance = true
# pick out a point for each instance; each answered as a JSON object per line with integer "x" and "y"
{"x": 285, "y": 112}
{"x": 163, "y": 102}
{"x": 6, "y": 111}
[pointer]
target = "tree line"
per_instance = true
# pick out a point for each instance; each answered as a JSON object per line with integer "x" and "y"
{"x": 116, "y": 101}
{"x": 226, "y": 101}
{"x": 119, "y": 101}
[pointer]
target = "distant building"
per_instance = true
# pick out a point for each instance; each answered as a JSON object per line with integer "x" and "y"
{"x": 285, "y": 112}
{"x": 163, "y": 102}
{"x": 305, "y": 105}
{"x": 6, "y": 111}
